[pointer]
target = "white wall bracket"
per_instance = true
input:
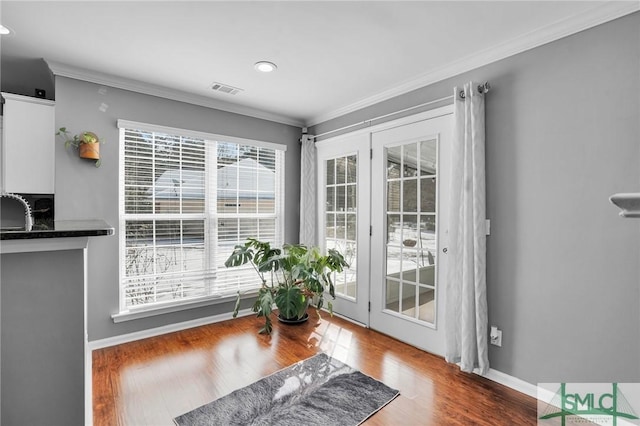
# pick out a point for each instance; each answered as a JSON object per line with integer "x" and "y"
{"x": 629, "y": 203}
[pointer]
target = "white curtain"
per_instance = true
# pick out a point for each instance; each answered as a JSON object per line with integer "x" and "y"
{"x": 466, "y": 290}
{"x": 308, "y": 190}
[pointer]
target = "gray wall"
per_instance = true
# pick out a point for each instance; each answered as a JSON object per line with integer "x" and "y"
{"x": 563, "y": 270}
{"x": 84, "y": 191}
{"x": 42, "y": 338}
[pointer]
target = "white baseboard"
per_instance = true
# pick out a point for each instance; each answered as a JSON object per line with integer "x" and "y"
{"x": 158, "y": 331}
{"x": 512, "y": 382}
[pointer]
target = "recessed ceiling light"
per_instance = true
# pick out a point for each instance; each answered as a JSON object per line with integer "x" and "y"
{"x": 265, "y": 66}
{"x": 4, "y": 30}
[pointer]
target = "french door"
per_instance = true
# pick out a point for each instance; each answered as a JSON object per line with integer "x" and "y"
{"x": 409, "y": 212}
{"x": 382, "y": 203}
{"x": 344, "y": 171}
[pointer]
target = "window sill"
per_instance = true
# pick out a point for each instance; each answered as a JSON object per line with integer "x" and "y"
{"x": 135, "y": 314}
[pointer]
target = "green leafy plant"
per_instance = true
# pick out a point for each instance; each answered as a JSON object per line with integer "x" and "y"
{"x": 299, "y": 275}
{"x": 78, "y": 139}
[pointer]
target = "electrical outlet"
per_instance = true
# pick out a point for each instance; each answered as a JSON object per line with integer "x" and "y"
{"x": 496, "y": 336}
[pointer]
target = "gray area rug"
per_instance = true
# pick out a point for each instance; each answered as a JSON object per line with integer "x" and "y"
{"x": 317, "y": 391}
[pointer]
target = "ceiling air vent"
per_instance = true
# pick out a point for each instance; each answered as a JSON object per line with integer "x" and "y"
{"x": 225, "y": 88}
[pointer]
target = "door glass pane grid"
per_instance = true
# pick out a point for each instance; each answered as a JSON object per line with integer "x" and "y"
{"x": 341, "y": 219}
{"x": 410, "y": 283}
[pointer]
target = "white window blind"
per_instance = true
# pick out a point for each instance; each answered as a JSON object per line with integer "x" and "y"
{"x": 185, "y": 202}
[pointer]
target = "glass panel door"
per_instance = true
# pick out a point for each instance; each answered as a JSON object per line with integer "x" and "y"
{"x": 408, "y": 216}
{"x": 343, "y": 200}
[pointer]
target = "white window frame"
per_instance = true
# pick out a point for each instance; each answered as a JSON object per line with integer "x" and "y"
{"x": 128, "y": 313}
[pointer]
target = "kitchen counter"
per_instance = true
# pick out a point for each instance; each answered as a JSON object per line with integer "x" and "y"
{"x": 60, "y": 229}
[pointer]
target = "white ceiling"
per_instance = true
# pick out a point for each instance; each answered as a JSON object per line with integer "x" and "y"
{"x": 332, "y": 57}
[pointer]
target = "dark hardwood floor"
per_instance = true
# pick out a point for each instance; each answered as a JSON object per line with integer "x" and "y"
{"x": 151, "y": 381}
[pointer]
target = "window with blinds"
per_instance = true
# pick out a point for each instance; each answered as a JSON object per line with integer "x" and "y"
{"x": 186, "y": 199}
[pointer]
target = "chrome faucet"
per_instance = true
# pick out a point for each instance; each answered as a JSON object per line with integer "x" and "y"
{"x": 28, "y": 219}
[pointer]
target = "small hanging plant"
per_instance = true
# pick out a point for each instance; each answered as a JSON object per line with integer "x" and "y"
{"x": 87, "y": 144}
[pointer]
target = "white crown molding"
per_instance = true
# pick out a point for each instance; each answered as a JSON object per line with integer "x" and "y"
{"x": 565, "y": 27}
{"x": 64, "y": 70}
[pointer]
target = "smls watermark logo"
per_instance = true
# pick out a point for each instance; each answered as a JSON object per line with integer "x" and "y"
{"x": 615, "y": 404}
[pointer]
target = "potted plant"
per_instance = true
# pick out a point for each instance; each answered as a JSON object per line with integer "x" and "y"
{"x": 87, "y": 144}
{"x": 299, "y": 275}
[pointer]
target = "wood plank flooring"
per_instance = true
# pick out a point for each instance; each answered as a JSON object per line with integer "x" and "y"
{"x": 151, "y": 381}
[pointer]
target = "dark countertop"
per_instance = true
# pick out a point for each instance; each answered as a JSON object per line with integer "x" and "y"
{"x": 61, "y": 229}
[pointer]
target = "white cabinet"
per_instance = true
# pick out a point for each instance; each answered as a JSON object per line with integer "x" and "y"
{"x": 28, "y": 142}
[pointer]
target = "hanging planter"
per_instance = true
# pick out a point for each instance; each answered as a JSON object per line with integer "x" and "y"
{"x": 89, "y": 146}
{"x": 87, "y": 143}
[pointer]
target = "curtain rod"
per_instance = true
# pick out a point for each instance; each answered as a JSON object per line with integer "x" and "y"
{"x": 482, "y": 88}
